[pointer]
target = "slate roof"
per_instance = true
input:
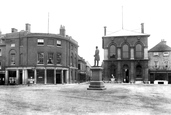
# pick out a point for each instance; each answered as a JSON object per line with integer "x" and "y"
{"x": 124, "y": 32}
{"x": 160, "y": 47}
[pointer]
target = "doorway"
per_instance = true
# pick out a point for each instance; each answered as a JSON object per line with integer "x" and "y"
{"x": 2, "y": 79}
{"x": 125, "y": 74}
{"x": 58, "y": 76}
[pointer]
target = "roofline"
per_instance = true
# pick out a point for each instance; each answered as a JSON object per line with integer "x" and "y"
{"x": 126, "y": 36}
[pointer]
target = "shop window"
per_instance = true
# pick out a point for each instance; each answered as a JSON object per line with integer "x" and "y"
{"x": 40, "y": 59}
{"x": 125, "y": 51}
{"x": 50, "y": 58}
{"x": 138, "y": 51}
{"x": 58, "y": 58}
{"x": 112, "y": 51}
{"x": 40, "y": 42}
{"x": 58, "y": 43}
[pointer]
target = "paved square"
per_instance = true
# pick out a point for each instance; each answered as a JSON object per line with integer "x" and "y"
{"x": 117, "y": 99}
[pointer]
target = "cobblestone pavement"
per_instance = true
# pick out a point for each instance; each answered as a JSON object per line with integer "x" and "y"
{"x": 71, "y": 99}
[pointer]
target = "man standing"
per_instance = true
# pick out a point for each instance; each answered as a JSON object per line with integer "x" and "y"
{"x": 96, "y": 57}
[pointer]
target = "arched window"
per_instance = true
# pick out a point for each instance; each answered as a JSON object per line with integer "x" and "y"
{"x": 125, "y": 51}
{"x": 138, "y": 51}
{"x": 112, "y": 51}
{"x": 12, "y": 57}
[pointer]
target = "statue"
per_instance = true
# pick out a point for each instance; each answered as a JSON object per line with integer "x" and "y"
{"x": 96, "y": 57}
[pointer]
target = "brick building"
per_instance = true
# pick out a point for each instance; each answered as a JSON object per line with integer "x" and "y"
{"x": 126, "y": 56}
{"x": 160, "y": 62}
{"x": 44, "y": 58}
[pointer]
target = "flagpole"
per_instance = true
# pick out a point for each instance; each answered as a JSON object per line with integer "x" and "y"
{"x": 122, "y": 17}
{"x": 48, "y": 22}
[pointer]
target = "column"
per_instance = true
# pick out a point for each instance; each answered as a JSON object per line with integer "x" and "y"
{"x": 23, "y": 76}
{"x": 26, "y": 76}
{"x": 146, "y": 73}
{"x": 17, "y": 76}
{"x": 62, "y": 77}
{"x": 6, "y": 77}
{"x": 67, "y": 76}
{"x": 105, "y": 54}
{"x": 35, "y": 76}
{"x": 45, "y": 78}
{"x": 55, "y": 76}
{"x": 132, "y": 80}
{"x": 119, "y": 53}
{"x": 132, "y": 53}
{"x": 145, "y": 53}
{"x": 119, "y": 80}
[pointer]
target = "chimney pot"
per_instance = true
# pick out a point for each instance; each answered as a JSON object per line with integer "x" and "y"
{"x": 105, "y": 30}
{"x": 62, "y": 30}
{"x": 28, "y": 27}
{"x": 142, "y": 27}
{"x": 13, "y": 30}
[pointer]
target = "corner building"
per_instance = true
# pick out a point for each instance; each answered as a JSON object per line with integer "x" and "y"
{"x": 44, "y": 58}
{"x": 126, "y": 56}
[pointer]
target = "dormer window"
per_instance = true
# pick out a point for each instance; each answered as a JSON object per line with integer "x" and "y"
{"x": 165, "y": 54}
{"x": 156, "y": 54}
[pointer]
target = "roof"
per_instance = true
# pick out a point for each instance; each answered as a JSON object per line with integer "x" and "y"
{"x": 160, "y": 47}
{"x": 124, "y": 32}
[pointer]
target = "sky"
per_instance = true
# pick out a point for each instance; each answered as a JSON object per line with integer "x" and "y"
{"x": 84, "y": 20}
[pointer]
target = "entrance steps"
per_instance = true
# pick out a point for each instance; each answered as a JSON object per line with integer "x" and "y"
{"x": 139, "y": 82}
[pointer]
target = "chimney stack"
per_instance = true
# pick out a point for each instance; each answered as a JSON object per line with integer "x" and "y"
{"x": 62, "y": 30}
{"x": 163, "y": 41}
{"x": 105, "y": 31}
{"x": 13, "y": 30}
{"x": 142, "y": 27}
{"x": 28, "y": 27}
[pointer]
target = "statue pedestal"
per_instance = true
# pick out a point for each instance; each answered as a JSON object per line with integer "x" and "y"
{"x": 96, "y": 82}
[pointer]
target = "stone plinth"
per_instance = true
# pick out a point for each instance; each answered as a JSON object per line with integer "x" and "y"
{"x": 96, "y": 81}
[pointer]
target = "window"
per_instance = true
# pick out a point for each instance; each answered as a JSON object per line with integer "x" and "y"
{"x": 125, "y": 51}
{"x": 138, "y": 51}
{"x": 58, "y": 42}
{"x": 40, "y": 42}
{"x": 0, "y": 65}
{"x": 156, "y": 64}
{"x": 40, "y": 59}
{"x": 156, "y": 54}
{"x": 21, "y": 59}
{"x": 71, "y": 60}
{"x": 50, "y": 58}
{"x": 21, "y": 41}
{"x": 13, "y": 45}
{"x": 165, "y": 54}
{"x": 79, "y": 66}
{"x": 50, "y": 42}
{"x": 12, "y": 58}
{"x": 112, "y": 51}
{"x": 0, "y": 52}
{"x": 58, "y": 58}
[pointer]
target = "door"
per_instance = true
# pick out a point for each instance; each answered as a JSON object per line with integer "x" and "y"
{"x": 58, "y": 76}
{"x": 125, "y": 74}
